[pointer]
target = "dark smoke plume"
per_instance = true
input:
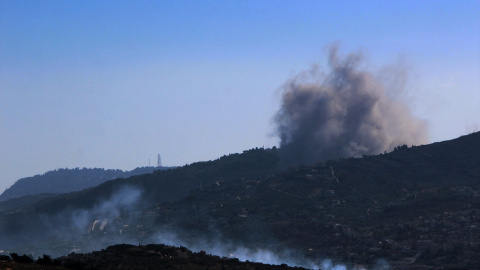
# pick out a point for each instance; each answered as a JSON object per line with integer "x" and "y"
{"x": 342, "y": 113}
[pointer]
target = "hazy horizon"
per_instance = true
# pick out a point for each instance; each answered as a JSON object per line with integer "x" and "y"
{"x": 111, "y": 85}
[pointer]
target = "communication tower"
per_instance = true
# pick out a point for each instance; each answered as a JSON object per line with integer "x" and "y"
{"x": 159, "y": 161}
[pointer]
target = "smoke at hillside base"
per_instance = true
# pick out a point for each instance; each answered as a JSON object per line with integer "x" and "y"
{"x": 222, "y": 247}
{"x": 342, "y": 113}
{"x": 72, "y": 229}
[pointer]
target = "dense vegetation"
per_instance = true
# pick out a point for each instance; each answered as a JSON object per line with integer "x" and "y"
{"x": 417, "y": 207}
{"x": 165, "y": 185}
{"x": 22, "y": 223}
{"x": 136, "y": 257}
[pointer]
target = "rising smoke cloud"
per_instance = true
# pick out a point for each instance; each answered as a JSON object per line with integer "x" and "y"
{"x": 344, "y": 112}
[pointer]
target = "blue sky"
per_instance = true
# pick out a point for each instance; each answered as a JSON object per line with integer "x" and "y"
{"x": 112, "y": 83}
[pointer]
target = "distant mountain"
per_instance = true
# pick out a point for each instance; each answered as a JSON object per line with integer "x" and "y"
{"x": 29, "y": 219}
{"x": 68, "y": 180}
{"x": 416, "y": 207}
{"x": 166, "y": 185}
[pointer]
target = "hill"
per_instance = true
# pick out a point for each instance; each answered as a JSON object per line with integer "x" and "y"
{"x": 139, "y": 257}
{"x": 68, "y": 180}
{"x": 416, "y": 207}
{"x": 68, "y": 216}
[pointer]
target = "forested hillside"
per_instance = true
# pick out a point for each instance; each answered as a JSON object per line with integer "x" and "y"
{"x": 416, "y": 207}
{"x": 23, "y": 223}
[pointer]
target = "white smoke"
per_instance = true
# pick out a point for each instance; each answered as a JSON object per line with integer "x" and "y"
{"x": 109, "y": 209}
{"x": 230, "y": 249}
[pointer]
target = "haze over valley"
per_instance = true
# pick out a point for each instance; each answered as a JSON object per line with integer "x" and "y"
{"x": 326, "y": 136}
{"x": 414, "y": 207}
